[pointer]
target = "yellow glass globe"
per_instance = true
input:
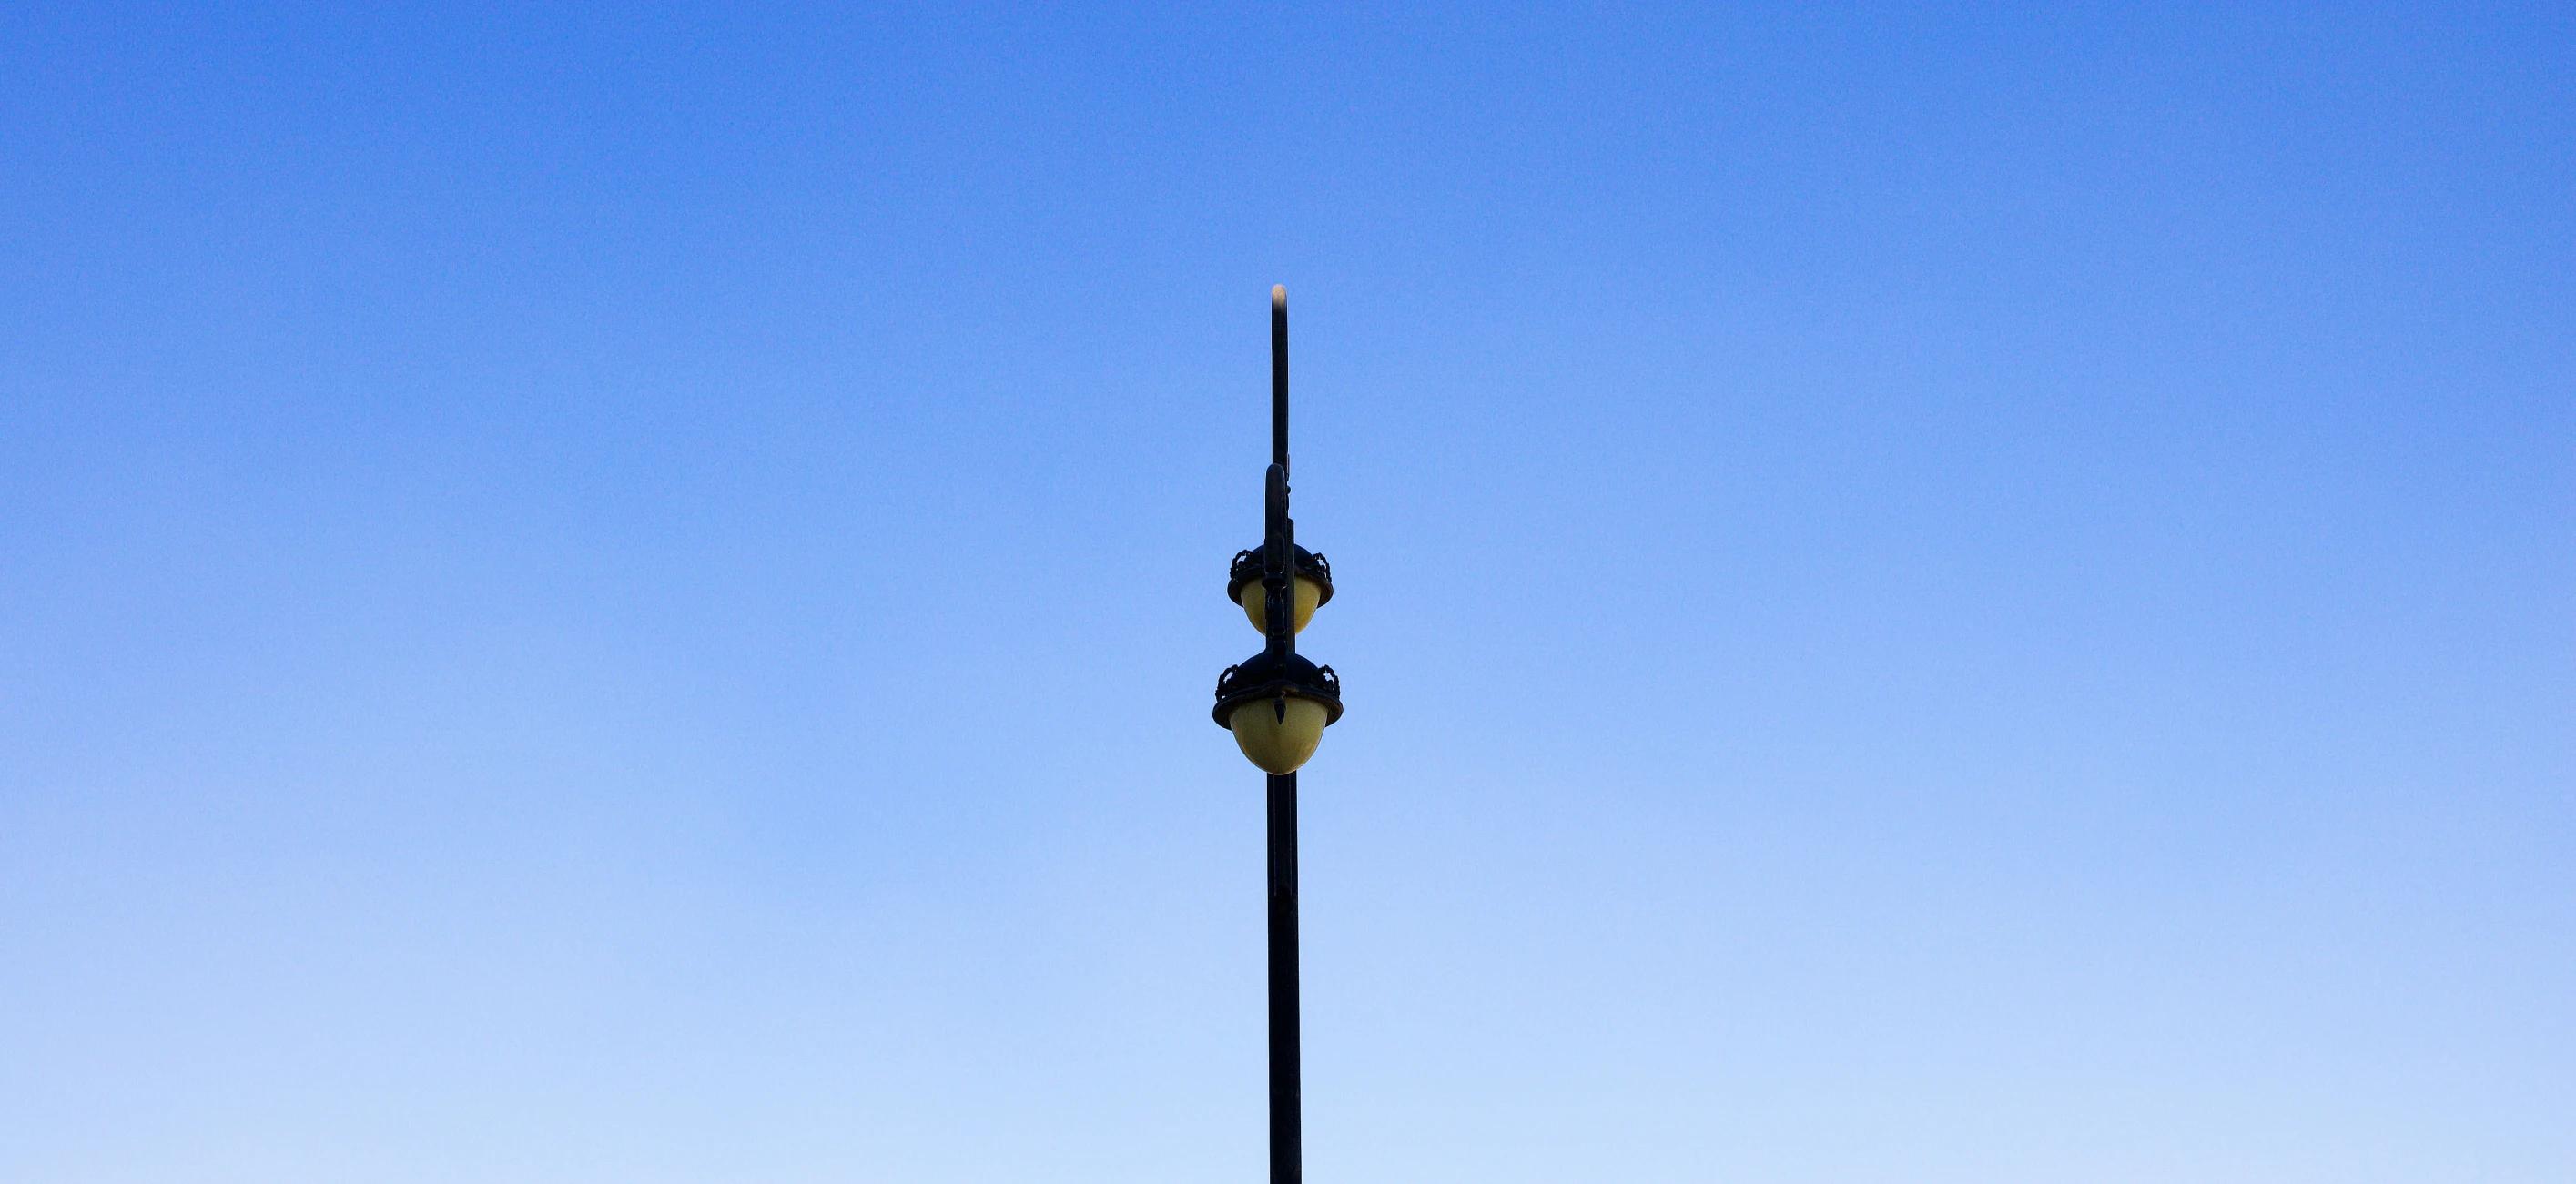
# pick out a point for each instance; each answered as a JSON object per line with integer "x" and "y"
{"x": 1256, "y": 606}
{"x": 1278, "y": 745}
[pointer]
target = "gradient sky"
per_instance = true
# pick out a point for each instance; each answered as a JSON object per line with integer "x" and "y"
{"x": 630, "y": 596}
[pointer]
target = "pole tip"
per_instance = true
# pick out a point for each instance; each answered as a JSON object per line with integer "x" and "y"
{"x": 1278, "y": 295}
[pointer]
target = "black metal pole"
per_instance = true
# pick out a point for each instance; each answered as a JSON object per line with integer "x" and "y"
{"x": 1287, "y": 1104}
{"x": 1279, "y": 375}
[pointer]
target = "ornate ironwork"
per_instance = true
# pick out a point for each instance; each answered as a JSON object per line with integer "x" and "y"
{"x": 1264, "y": 677}
{"x": 1246, "y": 569}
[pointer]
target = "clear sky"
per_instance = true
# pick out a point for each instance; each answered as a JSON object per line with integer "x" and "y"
{"x": 1964, "y": 595}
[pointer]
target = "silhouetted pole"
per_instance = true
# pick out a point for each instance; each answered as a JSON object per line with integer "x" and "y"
{"x": 1286, "y": 1091}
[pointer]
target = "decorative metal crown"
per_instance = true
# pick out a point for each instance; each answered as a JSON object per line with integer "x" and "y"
{"x": 1264, "y": 677}
{"x": 1246, "y": 569}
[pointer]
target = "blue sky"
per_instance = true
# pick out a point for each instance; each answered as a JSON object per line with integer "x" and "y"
{"x": 1925, "y": 595}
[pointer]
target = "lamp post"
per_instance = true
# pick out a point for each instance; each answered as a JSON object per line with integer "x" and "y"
{"x": 1278, "y": 704}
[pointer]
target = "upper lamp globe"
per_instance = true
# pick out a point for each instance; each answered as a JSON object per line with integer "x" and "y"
{"x": 1256, "y": 604}
{"x": 1311, "y": 587}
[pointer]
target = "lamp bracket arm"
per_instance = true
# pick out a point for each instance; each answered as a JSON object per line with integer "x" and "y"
{"x": 1278, "y": 564}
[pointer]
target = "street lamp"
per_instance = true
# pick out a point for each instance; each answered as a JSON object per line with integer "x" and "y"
{"x": 1314, "y": 587}
{"x": 1278, "y": 704}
